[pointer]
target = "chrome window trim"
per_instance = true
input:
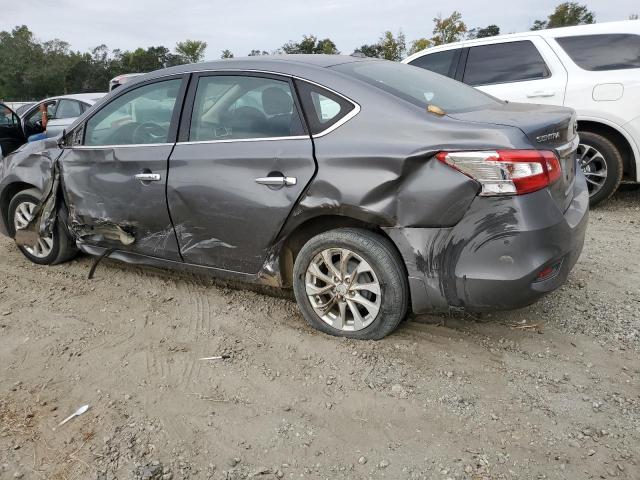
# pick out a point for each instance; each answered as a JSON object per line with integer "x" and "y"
{"x": 238, "y": 140}
{"x": 130, "y": 145}
{"x": 333, "y": 127}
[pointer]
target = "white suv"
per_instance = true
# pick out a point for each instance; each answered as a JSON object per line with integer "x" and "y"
{"x": 594, "y": 69}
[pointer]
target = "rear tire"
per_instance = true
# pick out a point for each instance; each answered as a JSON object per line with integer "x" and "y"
{"x": 360, "y": 275}
{"x": 601, "y": 164}
{"x": 56, "y": 249}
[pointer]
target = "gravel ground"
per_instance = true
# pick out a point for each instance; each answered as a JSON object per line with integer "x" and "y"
{"x": 549, "y": 391}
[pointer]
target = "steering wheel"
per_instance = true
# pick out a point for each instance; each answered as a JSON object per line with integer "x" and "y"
{"x": 149, "y": 132}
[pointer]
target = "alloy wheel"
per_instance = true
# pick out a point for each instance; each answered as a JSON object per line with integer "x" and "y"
{"x": 21, "y": 218}
{"x": 594, "y": 167}
{"x": 343, "y": 289}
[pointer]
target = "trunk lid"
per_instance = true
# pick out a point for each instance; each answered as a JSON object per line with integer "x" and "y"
{"x": 546, "y": 128}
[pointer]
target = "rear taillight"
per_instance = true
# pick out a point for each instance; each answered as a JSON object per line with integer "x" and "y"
{"x": 506, "y": 172}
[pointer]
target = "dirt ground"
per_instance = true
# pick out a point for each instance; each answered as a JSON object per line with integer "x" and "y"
{"x": 549, "y": 391}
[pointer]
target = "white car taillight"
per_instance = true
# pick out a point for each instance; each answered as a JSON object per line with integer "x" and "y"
{"x": 506, "y": 172}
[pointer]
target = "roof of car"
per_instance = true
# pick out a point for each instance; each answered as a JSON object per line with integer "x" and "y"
{"x": 286, "y": 64}
{"x": 90, "y": 98}
{"x": 591, "y": 29}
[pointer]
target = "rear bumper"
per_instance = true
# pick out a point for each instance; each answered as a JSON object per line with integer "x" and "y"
{"x": 491, "y": 259}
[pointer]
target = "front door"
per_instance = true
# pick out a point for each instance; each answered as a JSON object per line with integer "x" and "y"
{"x": 243, "y": 160}
{"x": 11, "y": 135}
{"x": 115, "y": 180}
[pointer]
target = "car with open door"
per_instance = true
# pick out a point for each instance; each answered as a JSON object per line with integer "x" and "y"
{"x": 368, "y": 187}
{"x": 60, "y": 112}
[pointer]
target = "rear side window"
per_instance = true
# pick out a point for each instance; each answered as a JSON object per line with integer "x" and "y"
{"x": 504, "y": 63}
{"x": 616, "y": 51}
{"x": 68, "y": 109}
{"x": 444, "y": 63}
{"x": 323, "y": 108}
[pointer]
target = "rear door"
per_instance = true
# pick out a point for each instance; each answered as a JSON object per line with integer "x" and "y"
{"x": 243, "y": 159}
{"x": 115, "y": 172}
{"x": 11, "y": 135}
{"x": 523, "y": 70}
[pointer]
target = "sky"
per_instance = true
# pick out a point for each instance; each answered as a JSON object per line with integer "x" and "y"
{"x": 243, "y": 25}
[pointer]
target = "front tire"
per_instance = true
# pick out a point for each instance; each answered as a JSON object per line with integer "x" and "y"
{"x": 51, "y": 250}
{"x": 601, "y": 164}
{"x": 351, "y": 283}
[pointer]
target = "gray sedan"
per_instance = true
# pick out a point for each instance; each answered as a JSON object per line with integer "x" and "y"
{"x": 369, "y": 187}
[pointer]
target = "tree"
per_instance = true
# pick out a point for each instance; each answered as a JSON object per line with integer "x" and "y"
{"x": 310, "y": 45}
{"x": 373, "y": 51}
{"x": 449, "y": 29}
{"x": 634, "y": 16}
{"x": 566, "y": 14}
{"x": 191, "y": 51}
{"x": 392, "y": 48}
{"x": 256, "y": 53}
{"x": 488, "y": 31}
{"x": 418, "y": 45}
{"x": 226, "y": 54}
{"x": 539, "y": 25}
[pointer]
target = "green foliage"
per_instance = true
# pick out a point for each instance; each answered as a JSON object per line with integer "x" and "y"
{"x": 448, "y": 30}
{"x": 32, "y": 70}
{"x": 393, "y": 48}
{"x": 373, "y": 51}
{"x": 566, "y": 14}
{"x": 256, "y": 53}
{"x": 191, "y": 51}
{"x": 310, "y": 45}
{"x": 488, "y": 31}
{"x": 226, "y": 54}
{"x": 418, "y": 45}
{"x": 634, "y": 16}
{"x": 389, "y": 47}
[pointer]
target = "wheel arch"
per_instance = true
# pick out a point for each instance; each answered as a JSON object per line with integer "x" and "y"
{"x": 7, "y": 195}
{"x": 293, "y": 241}
{"x": 621, "y": 141}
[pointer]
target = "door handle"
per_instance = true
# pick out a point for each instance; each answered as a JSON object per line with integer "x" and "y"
{"x": 148, "y": 177}
{"x": 277, "y": 181}
{"x": 541, "y": 93}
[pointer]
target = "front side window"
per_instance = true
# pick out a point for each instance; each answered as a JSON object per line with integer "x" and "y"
{"x": 235, "y": 107}
{"x": 36, "y": 117}
{"x": 616, "y": 51}
{"x": 322, "y": 107}
{"x": 140, "y": 116}
{"x": 418, "y": 86}
{"x": 444, "y": 63}
{"x": 504, "y": 63}
{"x": 68, "y": 109}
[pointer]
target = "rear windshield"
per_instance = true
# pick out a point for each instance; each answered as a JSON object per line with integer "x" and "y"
{"x": 418, "y": 86}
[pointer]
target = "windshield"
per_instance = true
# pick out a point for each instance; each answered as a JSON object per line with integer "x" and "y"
{"x": 418, "y": 86}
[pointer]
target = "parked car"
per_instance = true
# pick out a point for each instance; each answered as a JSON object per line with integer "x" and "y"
{"x": 61, "y": 112}
{"x": 594, "y": 69}
{"x": 122, "y": 79}
{"x": 366, "y": 185}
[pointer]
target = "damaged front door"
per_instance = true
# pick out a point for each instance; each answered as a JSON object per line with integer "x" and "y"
{"x": 242, "y": 161}
{"x": 114, "y": 181}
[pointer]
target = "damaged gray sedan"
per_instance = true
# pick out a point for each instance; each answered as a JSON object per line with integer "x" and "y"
{"x": 369, "y": 187}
